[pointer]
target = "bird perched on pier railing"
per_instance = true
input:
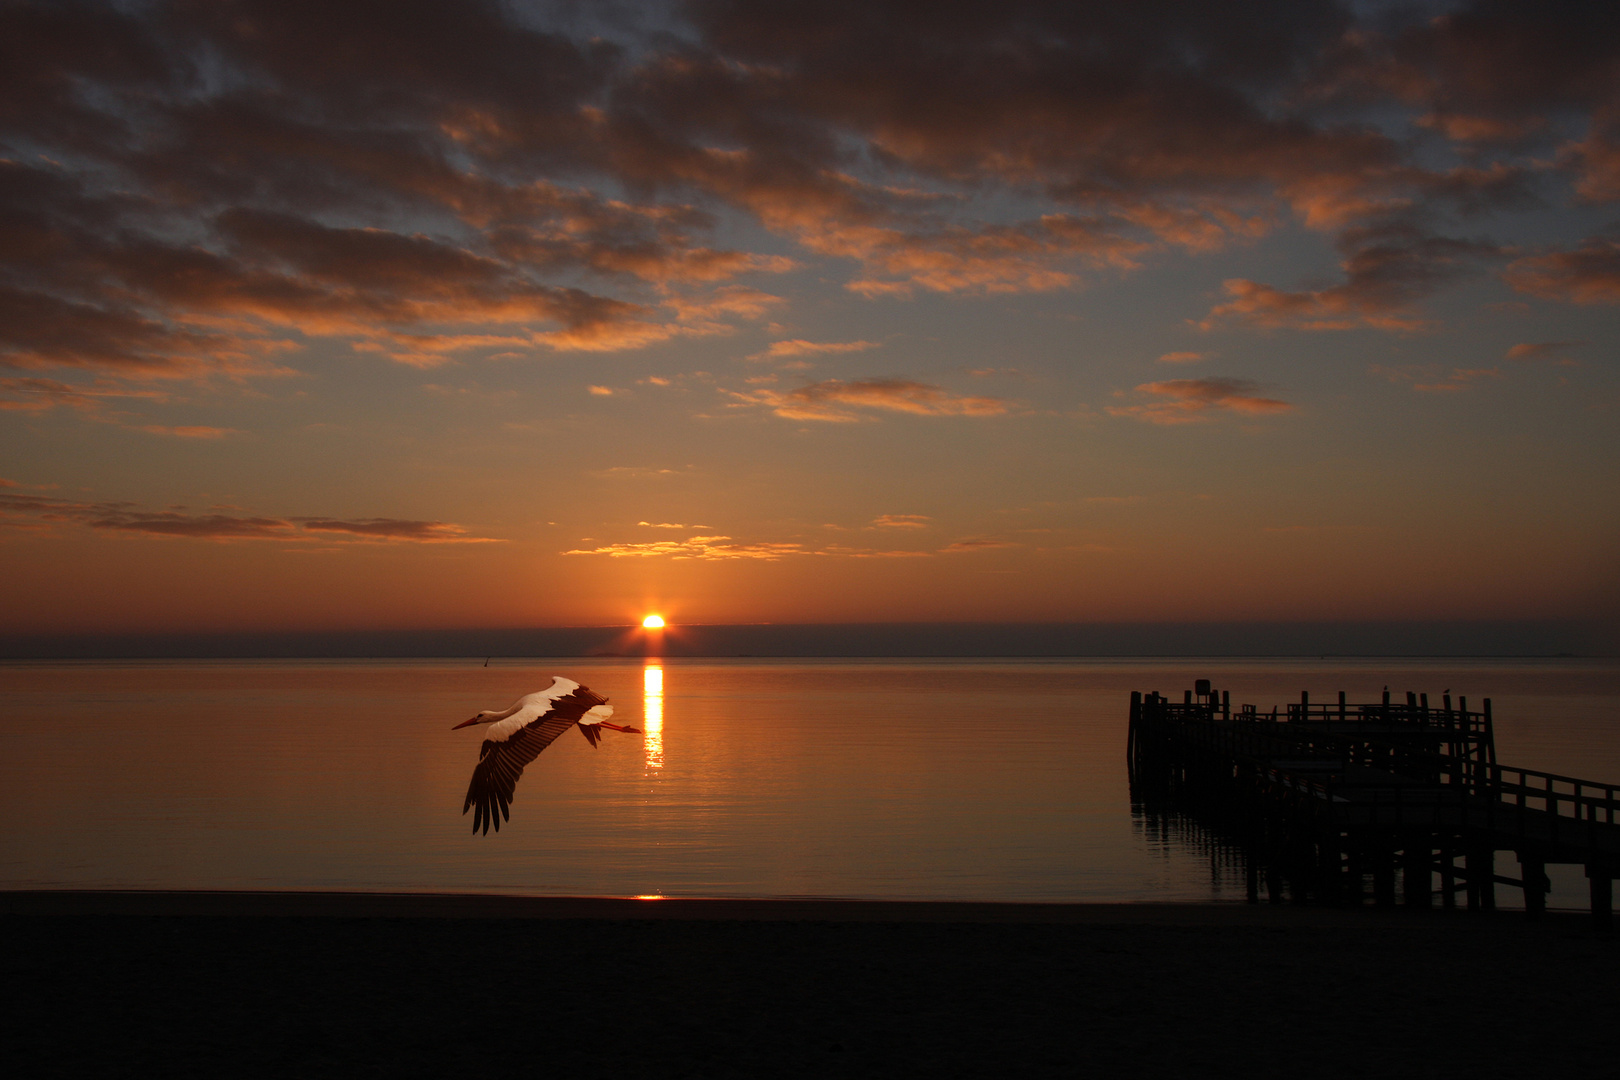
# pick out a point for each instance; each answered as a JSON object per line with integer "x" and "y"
{"x": 519, "y": 732}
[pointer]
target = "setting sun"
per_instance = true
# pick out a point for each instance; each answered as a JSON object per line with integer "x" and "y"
{"x": 653, "y": 622}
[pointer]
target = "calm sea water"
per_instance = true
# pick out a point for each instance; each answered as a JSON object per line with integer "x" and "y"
{"x": 987, "y": 780}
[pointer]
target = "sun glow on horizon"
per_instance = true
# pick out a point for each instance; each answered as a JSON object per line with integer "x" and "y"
{"x": 653, "y": 622}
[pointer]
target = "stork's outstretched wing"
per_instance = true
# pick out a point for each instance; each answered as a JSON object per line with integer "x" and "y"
{"x": 506, "y": 752}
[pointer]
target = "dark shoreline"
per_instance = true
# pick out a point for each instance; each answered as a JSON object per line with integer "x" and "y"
{"x": 353, "y": 904}
{"x": 316, "y": 984}
{"x": 364, "y": 904}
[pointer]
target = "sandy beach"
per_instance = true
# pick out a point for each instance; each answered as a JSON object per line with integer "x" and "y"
{"x": 304, "y": 984}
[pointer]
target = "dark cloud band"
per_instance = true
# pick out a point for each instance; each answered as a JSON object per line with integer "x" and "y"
{"x": 191, "y": 188}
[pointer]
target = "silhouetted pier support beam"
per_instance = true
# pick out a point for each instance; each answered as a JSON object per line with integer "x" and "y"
{"x": 1416, "y": 868}
{"x": 1274, "y": 882}
{"x": 1533, "y": 873}
{"x": 1481, "y": 870}
{"x": 1384, "y": 878}
{"x": 1600, "y": 876}
{"x": 1130, "y": 734}
{"x": 1448, "y": 877}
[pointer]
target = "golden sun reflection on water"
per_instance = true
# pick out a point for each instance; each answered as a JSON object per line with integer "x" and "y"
{"x": 652, "y": 710}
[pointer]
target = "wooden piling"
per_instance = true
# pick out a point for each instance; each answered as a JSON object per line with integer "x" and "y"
{"x": 1480, "y": 865}
{"x": 1600, "y": 880}
{"x": 1130, "y": 735}
{"x": 1533, "y": 875}
{"x": 1417, "y": 875}
{"x": 1384, "y": 879}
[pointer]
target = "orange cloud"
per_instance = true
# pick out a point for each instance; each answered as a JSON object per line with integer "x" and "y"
{"x": 988, "y": 259}
{"x": 551, "y": 228}
{"x": 37, "y": 394}
{"x": 150, "y": 306}
{"x": 821, "y": 401}
{"x": 1590, "y": 274}
{"x": 1432, "y": 380}
{"x": 197, "y": 527}
{"x": 724, "y": 548}
{"x": 1597, "y": 161}
{"x": 1467, "y": 129}
{"x": 1458, "y": 379}
{"x": 1551, "y": 351}
{"x": 1386, "y": 270}
{"x": 733, "y": 301}
{"x": 193, "y": 431}
{"x": 901, "y": 521}
{"x": 841, "y": 552}
{"x": 496, "y": 169}
{"x": 124, "y": 517}
{"x": 800, "y": 347}
{"x": 976, "y": 545}
{"x": 1185, "y": 401}
{"x": 707, "y": 548}
{"x": 1337, "y": 308}
{"x": 420, "y": 532}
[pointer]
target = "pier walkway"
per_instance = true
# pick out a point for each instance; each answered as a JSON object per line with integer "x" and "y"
{"x": 1324, "y": 798}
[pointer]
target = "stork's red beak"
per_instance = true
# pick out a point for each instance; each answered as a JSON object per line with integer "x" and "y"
{"x": 464, "y": 723}
{"x": 621, "y": 727}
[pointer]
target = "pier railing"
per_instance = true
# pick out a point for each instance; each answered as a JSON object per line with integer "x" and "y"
{"x": 1322, "y": 736}
{"x": 1415, "y": 713}
{"x": 1559, "y": 796}
{"x": 1511, "y": 791}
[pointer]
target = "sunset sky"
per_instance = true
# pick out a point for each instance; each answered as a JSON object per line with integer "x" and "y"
{"x": 427, "y": 314}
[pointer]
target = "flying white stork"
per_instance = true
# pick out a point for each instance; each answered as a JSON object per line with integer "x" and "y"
{"x": 517, "y": 735}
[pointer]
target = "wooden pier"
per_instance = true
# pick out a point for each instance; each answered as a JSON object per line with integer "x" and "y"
{"x": 1331, "y": 801}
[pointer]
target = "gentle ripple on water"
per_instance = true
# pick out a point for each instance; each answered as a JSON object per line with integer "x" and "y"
{"x": 995, "y": 780}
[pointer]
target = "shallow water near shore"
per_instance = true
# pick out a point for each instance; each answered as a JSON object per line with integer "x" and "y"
{"x": 999, "y": 780}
